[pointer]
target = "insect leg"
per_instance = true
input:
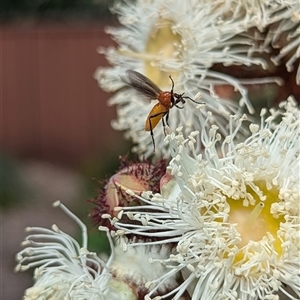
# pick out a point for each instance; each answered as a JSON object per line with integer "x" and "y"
{"x": 180, "y": 107}
{"x": 186, "y": 97}
{"x": 163, "y": 122}
{"x": 151, "y": 132}
{"x": 164, "y": 113}
{"x": 167, "y": 120}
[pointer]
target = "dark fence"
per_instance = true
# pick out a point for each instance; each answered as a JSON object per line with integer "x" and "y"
{"x": 52, "y": 107}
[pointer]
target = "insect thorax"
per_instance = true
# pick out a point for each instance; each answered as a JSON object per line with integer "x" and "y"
{"x": 165, "y": 99}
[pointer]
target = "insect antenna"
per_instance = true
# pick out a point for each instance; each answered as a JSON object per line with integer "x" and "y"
{"x": 172, "y": 92}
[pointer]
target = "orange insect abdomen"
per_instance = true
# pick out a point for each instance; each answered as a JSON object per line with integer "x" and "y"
{"x": 157, "y": 112}
{"x": 165, "y": 99}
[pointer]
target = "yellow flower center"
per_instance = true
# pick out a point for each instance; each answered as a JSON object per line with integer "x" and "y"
{"x": 161, "y": 45}
{"x": 255, "y": 221}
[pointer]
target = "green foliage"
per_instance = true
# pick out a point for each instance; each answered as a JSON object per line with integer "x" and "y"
{"x": 12, "y": 187}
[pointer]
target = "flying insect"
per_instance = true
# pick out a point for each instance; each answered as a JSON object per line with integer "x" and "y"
{"x": 166, "y": 100}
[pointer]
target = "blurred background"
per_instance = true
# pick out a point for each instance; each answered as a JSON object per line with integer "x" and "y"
{"x": 56, "y": 137}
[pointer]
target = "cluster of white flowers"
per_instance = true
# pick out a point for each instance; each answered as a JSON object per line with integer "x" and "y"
{"x": 232, "y": 212}
{"x": 225, "y": 225}
{"x": 279, "y": 19}
{"x": 187, "y": 40}
{"x": 222, "y": 220}
{"x": 62, "y": 268}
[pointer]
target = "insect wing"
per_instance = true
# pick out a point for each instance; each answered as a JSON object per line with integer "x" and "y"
{"x": 157, "y": 112}
{"x": 142, "y": 84}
